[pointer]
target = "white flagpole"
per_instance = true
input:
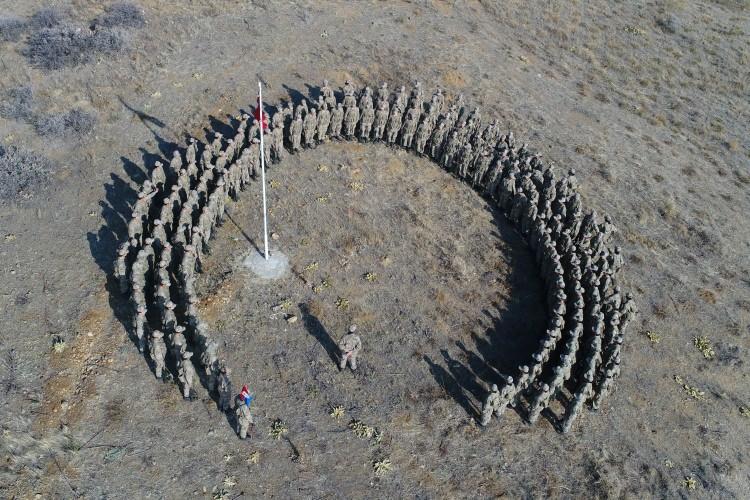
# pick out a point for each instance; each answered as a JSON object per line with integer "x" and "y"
{"x": 263, "y": 170}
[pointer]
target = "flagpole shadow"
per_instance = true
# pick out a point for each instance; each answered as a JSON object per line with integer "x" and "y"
{"x": 244, "y": 234}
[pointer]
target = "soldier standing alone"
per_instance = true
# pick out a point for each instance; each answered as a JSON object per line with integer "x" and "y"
{"x": 350, "y": 346}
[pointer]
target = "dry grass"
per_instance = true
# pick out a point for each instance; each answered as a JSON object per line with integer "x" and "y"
{"x": 705, "y": 347}
{"x": 690, "y": 483}
{"x": 669, "y": 210}
{"x": 278, "y": 429}
{"x": 114, "y": 412}
{"x": 708, "y": 296}
{"x": 316, "y": 308}
{"x": 691, "y": 391}
{"x": 382, "y": 467}
{"x": 22, "y": 452}
{"x": 654, "y": 337}
{"x": 337, "y": 412}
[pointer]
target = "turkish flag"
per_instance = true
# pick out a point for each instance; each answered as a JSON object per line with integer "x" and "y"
{"x": 245, "y": 392}
{"x": 256, "y": 115}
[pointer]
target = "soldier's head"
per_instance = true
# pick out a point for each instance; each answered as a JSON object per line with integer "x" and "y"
{"x": 524, "y": 369}
{"x": 162, "y": 263}
{"x": 325, "y": 83}
{"x": 629, "y": 296}
{"x": 175, "y": 153}
{"x": 157, "y": 222}
{"x": 352, "y": 328}
{"x": 187, "y": 355}
{"x": 179, "y": 328}
{"x": 123, "y": 250}
{"x": 141, "y": 195}
{"x": 148, "y": 241}
{"x": 170, "y": 305}
{"x": 617, "y": 249}
{"x": 157, "y": 334}
{"x": 191, "y": 140}
{"x": 494, "y": 388}
{"x": 141, "y": 310}
{"x": 509, "y": 380}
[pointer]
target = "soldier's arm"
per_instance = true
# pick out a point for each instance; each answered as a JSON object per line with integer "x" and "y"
{"x": 151, "y": 194}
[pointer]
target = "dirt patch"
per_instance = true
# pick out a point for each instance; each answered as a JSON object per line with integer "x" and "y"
{"x": 74, "y": 369}
{"x": 454, "y": 79}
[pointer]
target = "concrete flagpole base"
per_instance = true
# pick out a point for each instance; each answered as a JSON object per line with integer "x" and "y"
{"x": 275, "y": 267}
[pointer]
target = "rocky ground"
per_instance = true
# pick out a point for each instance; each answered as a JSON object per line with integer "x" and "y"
{"x": 647, "y": 102}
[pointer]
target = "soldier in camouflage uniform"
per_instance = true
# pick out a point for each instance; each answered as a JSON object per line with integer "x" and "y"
{"x": 158, "y": 352}
{"x": 350, "y": 345}
{"x": 186, "y": 374}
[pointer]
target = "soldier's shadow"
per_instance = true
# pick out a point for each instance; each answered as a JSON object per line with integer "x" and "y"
{"x": 452, "y": 385}
{"x": 317, "y": 330}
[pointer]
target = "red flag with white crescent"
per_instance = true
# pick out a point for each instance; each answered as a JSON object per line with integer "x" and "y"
{"x": 256, "y": 115}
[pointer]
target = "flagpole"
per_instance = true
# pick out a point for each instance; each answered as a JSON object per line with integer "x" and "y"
{"x": 263, "y": 170}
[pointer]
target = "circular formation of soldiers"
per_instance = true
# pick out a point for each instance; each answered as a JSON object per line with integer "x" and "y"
{"x": 179, "y": 207}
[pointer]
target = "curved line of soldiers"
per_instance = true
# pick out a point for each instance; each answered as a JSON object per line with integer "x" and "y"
{"x": 177, "y": 210}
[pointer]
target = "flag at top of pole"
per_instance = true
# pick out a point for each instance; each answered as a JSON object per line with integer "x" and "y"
{"x": 263, "y": 120}
{"x": 257, "y": 113}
